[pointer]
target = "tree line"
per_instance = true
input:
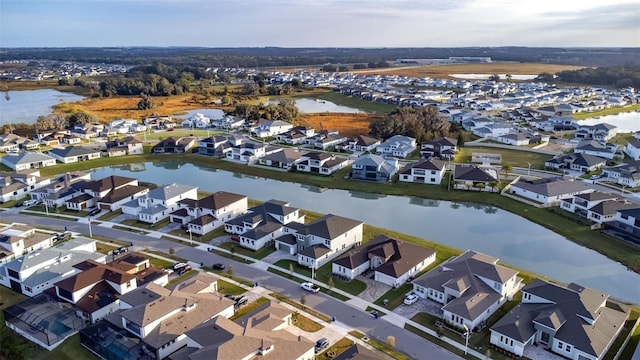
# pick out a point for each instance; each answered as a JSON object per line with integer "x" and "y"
{"x": 614, "y": 76}
{"x": 285, "y": 110}
{"x": 422, "y": 123}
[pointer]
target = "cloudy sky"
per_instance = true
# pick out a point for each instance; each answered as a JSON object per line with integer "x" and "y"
{"x": 319, "y": 23}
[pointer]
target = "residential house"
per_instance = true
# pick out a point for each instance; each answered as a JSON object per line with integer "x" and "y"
{"x": 95, "y": 290}
{"x": 363, "y": 143}
{"x": 632, "y": 149}
{"x": 159, "y": 203}
{"x": 285, "y": 159}
{"x": 216, "y": 145}
{"x": 198, "y": 121}
{"x": 326, "y": 139}
{"x": 577, "y": 161}
{"x": 374, "y": 168}
{"x": 174, "y": 145}
{"x": 549, "y": 191}
{"x": 28, "y": 160}
{"x": 129, "y": 145}
{"x": 228, "y": 122}
{"x": 472, "y": 176}
{"x": 62, "y": 189}
{"x": 71, "y": 154}
{"x": 159, "y": 318}
{"x": 321, "y": 240}
{"x": 627, "y": 175}
{"x": 470, "y": 288}
{"x": 263, "y": 223}
{"x": 599, "y": 132}
{"x": 296, "y": 135}
{"x": 393, "y": 261}
{"x": 425, "y": 171}
{"x": 210, "y": 212}
{"x": 17, "y": 240}
{"x": 397, "y": 145}
{"x": 108, "y": 193}
{"x": 442, "y": 147}
{"x": 581, "y": 203}
{"x": 515, "y": 139}
{"x": 493, "y": 130}
{"x": 267, "y": 128}
{"x": 245, "y": 150}
{"x": 574, "y": 322}
{"x": 261, "y": 334}
{"x": 84, "y": 131}
{"x": 18, "y": 184}
{"x": 606, "y": 211}
{"x": 13, "y": 143}
{"x": 628, "y": 221}
{"x": 321, "y": 163}
{"x": 37, "y": 271}
{"x": 595, "y": 148}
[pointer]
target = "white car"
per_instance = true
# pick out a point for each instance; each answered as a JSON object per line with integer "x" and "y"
{"x": 410, "y": 299}
{"x": 310, "y": 287}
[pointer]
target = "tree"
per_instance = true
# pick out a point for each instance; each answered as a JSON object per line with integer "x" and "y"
{"x": 494, "y": 77}
{"x": 296, "y": 83}
{"x": 506, "y": 168}
{"x": 50, "y": 122}
{"x": 493, "y": 185}
{"x": 145, "y": 103}
{"x": 80, "y": 117}
{"x": 468, "y": 185}
{"x": 545, "y": 76}
{"x": 479, "y": 186}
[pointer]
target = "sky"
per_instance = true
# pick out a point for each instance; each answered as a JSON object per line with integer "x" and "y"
{"x": 319, "y": 23}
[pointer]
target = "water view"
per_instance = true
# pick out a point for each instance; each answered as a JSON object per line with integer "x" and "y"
{"x": 487, "y": 76}
{"x": 26, "y": 106}
{"x": 626, "y": 122}
{"x": 511, "y": 238}
{"x": 314, "y": 106}
{"x": 212, "y": 114}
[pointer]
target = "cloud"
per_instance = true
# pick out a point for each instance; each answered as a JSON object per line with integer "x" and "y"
{"x": 616, "y": 16}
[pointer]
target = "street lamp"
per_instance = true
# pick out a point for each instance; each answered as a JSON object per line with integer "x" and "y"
{"x": 466, "y": 338}
{"x": 90, "y": 233}
{"x": 190, "y": 237}
{"x": 529, "y": 170}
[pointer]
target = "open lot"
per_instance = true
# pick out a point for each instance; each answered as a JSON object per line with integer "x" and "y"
{"x": 443, "y": 71}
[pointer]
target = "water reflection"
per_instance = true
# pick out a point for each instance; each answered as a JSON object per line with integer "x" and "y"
{"x": 131, "y": 167}
{"x": 424, "y": 202}
{"x": 315, "y": 189}
{"x": 367, "y": 196}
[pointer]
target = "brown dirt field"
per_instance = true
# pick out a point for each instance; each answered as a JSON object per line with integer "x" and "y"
{"x": 347, "y": 124}
{"x": 107, "y": 109}
{"x": 443, "y": 71}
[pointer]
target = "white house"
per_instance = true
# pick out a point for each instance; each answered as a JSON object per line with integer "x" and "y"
{"x": 28, "y": 160}
{"x": 470, "y": 287}
{"x": 245, "y": 150}
{"x": 595, "y": 148}
{"x": 632, "y": 149}
{"x": 39, "y": 270}
{"x": 160, "y": 202}
{"x": 574, "y": 322}
{"x": 16, "y": 185}
{"x": 266, "y": 128}
{"x": 322, "y": 163}
{"x": 125, "y": 146}
{"x": 398, "y": 145}
{"x": 211, "y": 212}
{"x": 17, "y": 240}
{"x": 393, "y": 261}
{"x": 425, "y": 171}
{"x": 549, "y": 191}
{"x": 71, "y": 154}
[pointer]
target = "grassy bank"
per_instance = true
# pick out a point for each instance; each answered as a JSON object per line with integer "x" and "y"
{"x": 580, "y": 234}
{"x": 609, "y": 111}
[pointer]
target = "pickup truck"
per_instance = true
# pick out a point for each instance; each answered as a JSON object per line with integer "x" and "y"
{"x": 310, "y": 287}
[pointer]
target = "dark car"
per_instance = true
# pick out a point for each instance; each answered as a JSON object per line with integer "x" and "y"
{"x": 321, "y": 344}
{"x": 94, "y": 212}
{"x": 229, "y": 296}
{"x": 218, "y": 266}
{"x": 122, "y": 249}
{"x": 183, "y": 270}
{"x": 19, "y": 204}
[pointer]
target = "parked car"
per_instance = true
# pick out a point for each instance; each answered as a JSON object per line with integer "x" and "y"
{"x": 178, "y": 265}
{"x": 241, "y": 300}
{"x": 235, "y": 238}
{"x": 168, "y": 271}
{"x": 30, "y": 202}
{"x": 183, "y": 270}
{"x": 95, "y": 212}
{"x": 321, "y": 345}
{"x": 63, "y": 236}
{"x": 310, "y": 287}
{"x": 18, "y": 204}
{"x": 410, "y": 299}
{"x": 122, "y": 249}
{"x": 218, "y": 266}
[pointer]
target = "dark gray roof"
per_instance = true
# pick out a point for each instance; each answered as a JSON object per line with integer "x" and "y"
{"x": 611, "y": 207}
{"x": 286, "y": 155}
{"x": 427, "y": 164}
{"x": 215, "y": 201}
{"x": 315, "y": 251}
{"x": 472, "y": 173}
{"x": 73, "y": 151}
{"x": 597, "y": 195}
{"x": 565, "y": 309}
{"x": 331, "y": 226}
{"x": 552, "y": 186}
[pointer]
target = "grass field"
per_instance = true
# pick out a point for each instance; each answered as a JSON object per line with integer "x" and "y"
{"x": 513, "y": 157}
{"x": 443, "y": 71}
{"x": 609, "y": 111}
{"x": 350, "y": 125}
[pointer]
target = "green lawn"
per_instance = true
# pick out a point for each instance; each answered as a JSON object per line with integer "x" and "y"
{"x": 350, "y": 101}
{"x": 237, "y": 249}
{"x": 394, "y": 296}
{"x": 202, "y": 239}
{"x": 515, "y": 158}
{"x": 306, "y": 324}
{"x": 248, "y": 308}
{"x": 143, "y": 225}
{"x": 609, "y": 111}
{"x": 226, "y": 287}
{"x": 178, "y": 133}
{"x": 110, "y": 215}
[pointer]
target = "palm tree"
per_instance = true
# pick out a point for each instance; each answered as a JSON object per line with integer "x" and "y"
{"x": 508, "y": 77}
{"x": 506, "y": 168}
{"x": 493, "y": 185}
{"x": 468, "y": 185}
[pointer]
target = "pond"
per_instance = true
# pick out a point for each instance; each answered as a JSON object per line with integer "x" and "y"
{"x": 487, "y": 76}
{"x": 511, "y": 238}
{"x": 25, "y": 106}
{"x": 212, "y": 114}
{"x": 626, "y": 122}
{"x": 314, "y": 106}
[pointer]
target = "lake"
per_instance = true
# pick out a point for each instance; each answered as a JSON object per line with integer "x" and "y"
{"x": 212, "y": 114}
{"x": 313, "y": 106}
{"x": 511, "y": 238}
{"x": 626, "y": 122}
{"x": 26, "y": 106}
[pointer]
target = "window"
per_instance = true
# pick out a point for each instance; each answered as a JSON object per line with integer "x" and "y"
{"x": 567, "y": 348}
{"x": 560, "y": 345}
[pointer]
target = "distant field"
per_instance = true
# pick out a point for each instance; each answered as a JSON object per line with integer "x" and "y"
{"x": 443, "y": 71}
{"x": 347, "y": 124}
{"x": 513, "y": 157}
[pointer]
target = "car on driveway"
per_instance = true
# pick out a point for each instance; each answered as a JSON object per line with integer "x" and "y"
{"x": 410, "y": 299}
{"x": 310, "y": 287}
{"x": 241, "y": 300}
{"x": 321, "y": 345}
{"x": 218, "y": 266}
{"x": 95, "y": 212}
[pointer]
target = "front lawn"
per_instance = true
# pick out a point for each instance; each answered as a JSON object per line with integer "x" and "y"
{"x": 234, "y": 248}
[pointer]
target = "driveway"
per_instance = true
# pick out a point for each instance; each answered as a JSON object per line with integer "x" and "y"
{"x": 422, "y": 305}
{"x": 374, "y": 289}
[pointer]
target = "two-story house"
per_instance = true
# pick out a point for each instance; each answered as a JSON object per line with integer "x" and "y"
{"x": 374, "y": 167}
{"x": 129, "y": 145}
{"x": 159, "y": 203}
{"x": 174, "y": 145}
{"x": 17, "y": 240}
{"x": 362, "y": 143}
{"x": 204, "y": 215}
{"x": 216, "y": 145}
{"x": 599, "y": 132}
{"x": 443, "y": 147}
{"x": 321, "y": 163}
{"x": 425, "y": 171}
{"x": 470, "y": 287}
{"x": 245, "y": 150}
{"x": 574, "y": 322}
{"x": 270, "y": 128}
{"x": 398, "y": 146}
{"x": 18, "y": 184}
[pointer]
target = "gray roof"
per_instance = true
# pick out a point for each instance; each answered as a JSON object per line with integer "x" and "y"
{"x": 591, "y": 145}
{"x": 25, "y": 158}
{"x": 215, "y": 201}
{"x": 463, "y": 273}
{"x": 286, "y": 156}
{"x": 170, "y": 191}
{"x": 565, "y": 309}
{"x": 611, "y": 207}
{"x": 73, "y": 151}
{"x": 552, "y": 186}
{"x": 330, "y": 226}
{"x": 472, "y": 173}
{"x": 153, "y": 209}
{"x": 427, "y": 164}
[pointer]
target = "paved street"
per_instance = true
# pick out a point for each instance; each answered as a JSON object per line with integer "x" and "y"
{"x": 390, "y": 325}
